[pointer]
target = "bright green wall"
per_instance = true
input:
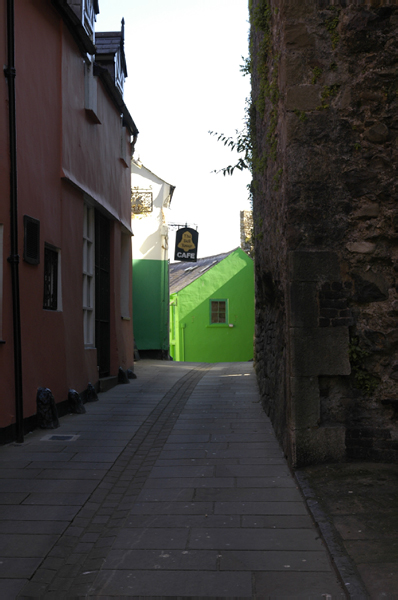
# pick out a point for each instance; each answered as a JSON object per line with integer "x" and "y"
{"x": 150, "y": 304}
{"x": 198, "y": 341}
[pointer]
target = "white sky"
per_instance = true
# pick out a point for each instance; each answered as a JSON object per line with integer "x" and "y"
{"x": 183, "y": 62}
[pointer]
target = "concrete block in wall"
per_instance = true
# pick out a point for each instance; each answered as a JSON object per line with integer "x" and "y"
{"x": 319, "y": 351}
{"x": 304, "y": 310}
{"x": 305, "y": 402}
{"x": 303, "y": 97}
{"x": 295, "y": 10}
{"x": 323, "y": 444}
{"x": 313, "y": 266}
{"x": 297, "y": 35}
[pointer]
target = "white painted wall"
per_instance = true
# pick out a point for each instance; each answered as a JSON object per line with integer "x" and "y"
{"x": 150, "y": 239}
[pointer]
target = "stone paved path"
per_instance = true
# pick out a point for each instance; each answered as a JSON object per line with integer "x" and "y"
{"x": 173, "y": 486}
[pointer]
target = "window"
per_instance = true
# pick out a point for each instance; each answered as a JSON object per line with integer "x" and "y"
{"x": 90, "y": 93}
{"x": 52, "y": 279}
{"x": 86, "y": 11}
{"x": 88, "y": 276}
{"x": 1, "y": 282}
{"x": 218, "y": 311}
{"x": 31, "y": 248}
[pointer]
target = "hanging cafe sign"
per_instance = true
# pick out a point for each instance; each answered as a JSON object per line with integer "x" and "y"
{"x": 186, "y": 248}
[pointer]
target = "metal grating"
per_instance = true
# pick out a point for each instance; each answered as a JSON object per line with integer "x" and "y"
{"x": 56, "y": 437}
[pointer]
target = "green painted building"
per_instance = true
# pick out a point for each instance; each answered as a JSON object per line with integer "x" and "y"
{"x": 150, "y": 199}
{"x": 212, "y": 309}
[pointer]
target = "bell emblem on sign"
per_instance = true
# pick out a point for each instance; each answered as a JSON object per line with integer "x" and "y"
{"x": 186, "y": 242}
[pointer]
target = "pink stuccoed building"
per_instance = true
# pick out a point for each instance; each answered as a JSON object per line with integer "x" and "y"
{"x": 66, "y": 140}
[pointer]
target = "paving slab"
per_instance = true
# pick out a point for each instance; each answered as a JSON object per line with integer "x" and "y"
{"x": 227, "y": 470}
{"x": 188, "y": 521}
{"x": 255, "y": 539}
{"x": 249, "y": 494}
{"x": 173, "y": 486}
{"x": 35, "y": 527}
{"x": 12, "y": 497}
{"x": 25, "y": 545}
{"x": 123, "y": 583}
{"x": 356, "y": 507}
{"x": 48, "y": 486}
{"x": 11, "y": 587}
{"x": 38, "y": 513}
{"x": 17, "y": 568}
{"x": 301, "y": 586}
{"x": 273, "y": 560}
{"x": 260, "y": 508}
{"x": 144, "y": 538}
{"x": 170, "y": 559}
{"x": 56, "y": 499}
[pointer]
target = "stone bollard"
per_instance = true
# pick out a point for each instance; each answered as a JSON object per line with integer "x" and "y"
{"x": 131, "y": 374}
{"x": 47, "y": 417}
{"x": 122, "y": 376}
{"x": 91, "y": 394}
{"x": 75, "y": 403}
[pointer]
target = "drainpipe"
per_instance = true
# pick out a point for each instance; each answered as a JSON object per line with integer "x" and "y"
{"x": 168, "y": 309}
{"x": 13, "y": 259}
{"x": 182, "y": 352}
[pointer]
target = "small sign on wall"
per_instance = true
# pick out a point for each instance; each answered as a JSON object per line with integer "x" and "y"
{"x": 186, "y": 248}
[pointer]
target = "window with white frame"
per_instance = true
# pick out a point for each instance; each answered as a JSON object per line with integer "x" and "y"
{"x": 91, "y": 92}
{"x": 52, "y": 298}
{"x": 88, "y": 276}
{"x": 1, "y": 283}
{"x": 86, "y": 11}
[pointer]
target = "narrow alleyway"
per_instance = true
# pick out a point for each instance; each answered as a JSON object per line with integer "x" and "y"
{"x": 171, "y": 486}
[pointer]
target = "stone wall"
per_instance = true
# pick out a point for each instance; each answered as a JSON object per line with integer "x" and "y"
{"x": 324, "y": 125}
{"x": 246, "y": 231}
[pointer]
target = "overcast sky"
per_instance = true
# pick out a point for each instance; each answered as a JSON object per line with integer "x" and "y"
{"x": 183, "y": 62}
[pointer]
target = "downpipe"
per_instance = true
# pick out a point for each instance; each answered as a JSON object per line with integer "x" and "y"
{"x": 13, "y": 259}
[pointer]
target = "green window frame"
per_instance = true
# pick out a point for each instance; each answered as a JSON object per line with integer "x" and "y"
{"x": 218, "y": 311}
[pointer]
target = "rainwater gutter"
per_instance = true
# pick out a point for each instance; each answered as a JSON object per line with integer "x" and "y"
{"x": 13, "y": 259}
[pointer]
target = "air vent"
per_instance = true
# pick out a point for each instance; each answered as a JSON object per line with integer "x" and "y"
{"x": 31, "y": 250}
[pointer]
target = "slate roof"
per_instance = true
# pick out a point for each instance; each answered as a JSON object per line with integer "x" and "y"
{"x": 108, "y": 42}
{"x": 183, "y": 273}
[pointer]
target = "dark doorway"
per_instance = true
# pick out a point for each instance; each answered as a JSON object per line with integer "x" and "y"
{"x": 102, "y": 293}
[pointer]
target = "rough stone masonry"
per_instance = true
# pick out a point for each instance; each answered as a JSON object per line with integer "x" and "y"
{"x": 324, "y": 132}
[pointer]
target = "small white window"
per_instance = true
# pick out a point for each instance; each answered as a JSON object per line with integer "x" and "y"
{"x": 88, "y": 276}
{"x": 90, "y": 93}
{"x": 1, "y": 282}
{"x": 52, "y": 297}
{"x": 86, "y": 11}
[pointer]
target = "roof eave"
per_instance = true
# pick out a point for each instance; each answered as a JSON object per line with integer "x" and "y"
{"x": 75, "y": 27}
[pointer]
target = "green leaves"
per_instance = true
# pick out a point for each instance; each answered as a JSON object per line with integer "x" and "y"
{"x": 365, "y": 381}
{"x": 246, "y": 66}
{"x": 240, "y": 143}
